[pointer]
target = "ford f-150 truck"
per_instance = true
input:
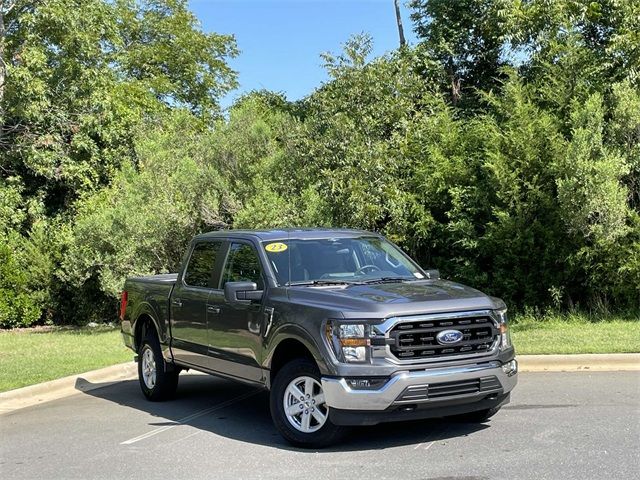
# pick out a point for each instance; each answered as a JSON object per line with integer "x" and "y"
{"x": 341, "y": 327}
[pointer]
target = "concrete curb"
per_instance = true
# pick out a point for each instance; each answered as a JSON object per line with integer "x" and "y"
{"x": 609, "y": 362}
{"x": 66, "y": 386}
{"x": 85, "y": 382}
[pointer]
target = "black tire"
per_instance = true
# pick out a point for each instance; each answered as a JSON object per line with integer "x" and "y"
{"x": 328, "y": 434}
{"x": 477, "y": 416}
{"x": 166, "y": 379}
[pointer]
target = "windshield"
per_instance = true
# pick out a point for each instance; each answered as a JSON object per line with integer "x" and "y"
{"x": 339, "y": 260}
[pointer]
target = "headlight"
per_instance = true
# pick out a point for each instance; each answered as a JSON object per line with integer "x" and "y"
{"x": 349, "y": 341}
{"x": 505, "y": 336}
{"x": 351, "y": 331}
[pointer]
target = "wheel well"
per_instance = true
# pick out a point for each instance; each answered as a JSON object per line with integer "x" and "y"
{"x": 286, "y": 351}
{"x": 144, "y": 324}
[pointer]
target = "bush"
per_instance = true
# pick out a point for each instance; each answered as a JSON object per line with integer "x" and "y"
{"x": 143, "y": 222}
{"x": 19, "y": 307}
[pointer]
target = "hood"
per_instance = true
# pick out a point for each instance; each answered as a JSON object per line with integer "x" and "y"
{"x": 407, "y": 298}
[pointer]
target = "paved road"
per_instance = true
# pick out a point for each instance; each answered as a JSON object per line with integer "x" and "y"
{"x": 558, "y": 426}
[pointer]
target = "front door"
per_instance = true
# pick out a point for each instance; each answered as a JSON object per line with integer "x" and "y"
{"x": 189, "y": 305}
{"x": 235, "y": 341}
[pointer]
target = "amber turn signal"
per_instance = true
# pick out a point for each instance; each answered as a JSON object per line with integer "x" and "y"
{"x": 354, "y": 342}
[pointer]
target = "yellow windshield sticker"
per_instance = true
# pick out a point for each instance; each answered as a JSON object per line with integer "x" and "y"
{"x": 276, "y": 247}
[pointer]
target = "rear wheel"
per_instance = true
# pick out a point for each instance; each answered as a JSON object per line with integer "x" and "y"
{"x": 298, "y": 406}
{"x": 158, "y": 380}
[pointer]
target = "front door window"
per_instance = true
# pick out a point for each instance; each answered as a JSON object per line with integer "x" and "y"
{"x": 243, "y": 265}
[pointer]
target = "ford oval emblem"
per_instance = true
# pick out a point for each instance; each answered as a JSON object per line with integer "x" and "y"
{"x": 449, "y": 337}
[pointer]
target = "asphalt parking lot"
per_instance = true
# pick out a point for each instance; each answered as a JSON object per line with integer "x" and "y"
{"x": 559, "y": 426}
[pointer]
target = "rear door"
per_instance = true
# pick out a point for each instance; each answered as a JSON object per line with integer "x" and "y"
{"x": 189, "y": 304}
{"x": 235, "y": 341}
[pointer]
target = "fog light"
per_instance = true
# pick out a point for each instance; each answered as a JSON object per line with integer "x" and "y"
{"x": 510, "y": 368}
{"x": 366, "y": 383}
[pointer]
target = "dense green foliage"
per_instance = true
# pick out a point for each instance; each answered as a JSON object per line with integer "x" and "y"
{"x": 81, "y": 77}
{"x": 503, "y": 149}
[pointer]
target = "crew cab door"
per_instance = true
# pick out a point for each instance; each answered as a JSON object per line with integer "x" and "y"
{"x": 235, "y": 341}
{"x": 188, "y": 304}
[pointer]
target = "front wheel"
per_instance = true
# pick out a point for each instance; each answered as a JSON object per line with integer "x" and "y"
{"x": 157, "y": 381}
{"x": 298, "y": 406}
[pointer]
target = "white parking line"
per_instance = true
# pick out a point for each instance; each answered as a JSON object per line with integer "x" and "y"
{"x": 193, "y": 416}
{"x": 438, "y": 432}
{"x": 427, "y": 447}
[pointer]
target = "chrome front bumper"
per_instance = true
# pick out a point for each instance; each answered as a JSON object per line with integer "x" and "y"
{"x": 339, "y": 395}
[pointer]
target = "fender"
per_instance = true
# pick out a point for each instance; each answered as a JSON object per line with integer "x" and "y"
{"x": 295, "y": 332}
{"x": 145, "y": 308}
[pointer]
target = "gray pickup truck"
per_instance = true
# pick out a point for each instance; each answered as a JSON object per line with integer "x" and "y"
{"x": 340, "y": 326}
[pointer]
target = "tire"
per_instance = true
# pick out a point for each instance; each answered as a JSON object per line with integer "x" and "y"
{"x": 305, "y": 429}
{"x": 478, "y": 416}
{"x": 158, "y": 380}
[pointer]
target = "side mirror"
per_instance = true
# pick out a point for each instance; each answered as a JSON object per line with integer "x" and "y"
{"x": 433, "y": 274}
{"x": 242, "y": 293}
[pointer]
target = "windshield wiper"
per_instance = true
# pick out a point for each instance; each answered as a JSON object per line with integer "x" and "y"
{"x": 319, "y": 283}
{"x": 322, "y": 282}
{"x": 389, "y": 280}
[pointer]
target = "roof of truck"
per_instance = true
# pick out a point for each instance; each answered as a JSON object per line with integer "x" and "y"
{"x": 287, "y": 233}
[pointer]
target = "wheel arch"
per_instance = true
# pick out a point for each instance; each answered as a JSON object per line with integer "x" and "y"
{"x": 287, "y": 350}
{"x": 144, "y": 323}
{"x": 288, "y": 343}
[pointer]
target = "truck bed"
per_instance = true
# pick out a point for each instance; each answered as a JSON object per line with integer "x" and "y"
{"x": 148, "y": 294}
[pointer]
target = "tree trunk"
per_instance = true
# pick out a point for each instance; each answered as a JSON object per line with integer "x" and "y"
{"x": 403, "y": 42}
{"x": 5, "y": 7}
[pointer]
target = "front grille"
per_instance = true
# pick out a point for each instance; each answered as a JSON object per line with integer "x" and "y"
{"x": 417, "y": 339}
{"x": 434, "y": 391}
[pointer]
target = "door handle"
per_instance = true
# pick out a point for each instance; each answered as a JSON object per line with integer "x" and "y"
{"x": 213, "y": 309}
{"x": 176, "y": 302}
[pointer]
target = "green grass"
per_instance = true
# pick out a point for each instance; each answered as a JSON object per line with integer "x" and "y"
{"x": 575, "y": 333}
{"x": 31, "y": 356}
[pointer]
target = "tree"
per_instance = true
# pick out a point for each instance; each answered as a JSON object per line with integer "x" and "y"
{"x": 77, "y": 79}
{"x": 5, "y": 8}
{"x": 604, "y": 31}
{"x": 144, "y": 220}
{"x": 163, "y": 50}
{"x": 467, "y": 38}
{"x": 80, "y": 74}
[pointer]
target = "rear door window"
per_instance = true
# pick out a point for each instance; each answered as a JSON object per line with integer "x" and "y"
{"x": 201, "y": 263}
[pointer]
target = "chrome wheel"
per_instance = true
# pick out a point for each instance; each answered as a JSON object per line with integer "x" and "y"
{"x": 304, "y": 404}
{"x": 149, "y": 368}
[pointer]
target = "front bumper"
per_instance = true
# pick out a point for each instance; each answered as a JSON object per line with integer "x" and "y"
{"x": 420, "y": 412}
{"x": 410, "y": 389}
